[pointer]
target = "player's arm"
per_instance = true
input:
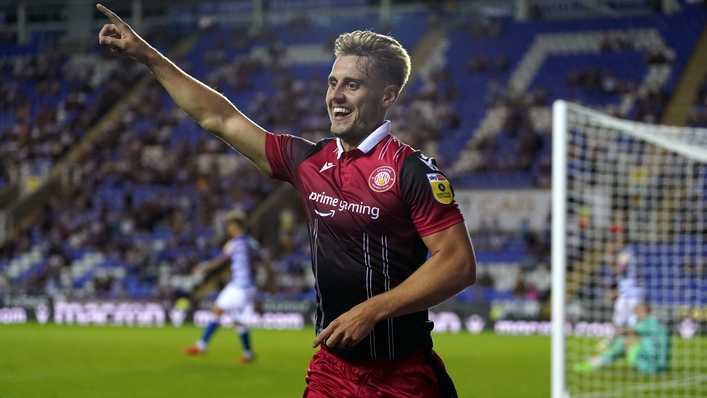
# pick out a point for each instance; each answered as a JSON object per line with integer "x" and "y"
{"x": 207, "y": 107}
{"x": 612, "y": 295}
{"x": 210, "y": 265}
{"x": 450, "y": 270}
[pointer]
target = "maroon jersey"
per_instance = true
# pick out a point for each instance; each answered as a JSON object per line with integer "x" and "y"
{"x": 367, "y": 209}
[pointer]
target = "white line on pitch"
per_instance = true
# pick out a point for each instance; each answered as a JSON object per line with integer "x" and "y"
{"x": 642, "y": 387}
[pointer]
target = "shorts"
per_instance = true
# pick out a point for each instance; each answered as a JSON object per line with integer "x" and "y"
{"x": 417, "y": 376}
{"x": 237, "y": 302}
{"x": 623, "y": 312}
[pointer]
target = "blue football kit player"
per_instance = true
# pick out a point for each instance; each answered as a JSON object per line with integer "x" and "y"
{"x": 236, "y": 298}
{"x": 629, "y": 292}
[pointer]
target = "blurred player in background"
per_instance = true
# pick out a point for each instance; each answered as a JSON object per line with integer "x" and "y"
{"x": 236, "y": 299}
{"x": 375, "y": 207}
{"x": 628, "y": 292}
{"x": 646, "y": 346}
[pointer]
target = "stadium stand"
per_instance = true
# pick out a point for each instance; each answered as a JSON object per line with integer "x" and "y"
{"x": 635, "y": 63}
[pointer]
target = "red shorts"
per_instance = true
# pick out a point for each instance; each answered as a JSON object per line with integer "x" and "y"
{"x": 417, "y": 376}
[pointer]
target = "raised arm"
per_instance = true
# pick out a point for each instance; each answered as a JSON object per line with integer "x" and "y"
{"x": 450, "y": 270}
{"x": 210, "y": 109}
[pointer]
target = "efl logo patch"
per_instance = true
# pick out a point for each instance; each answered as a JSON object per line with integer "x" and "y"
{"x": 441, "y": 189}
{"x": 382, "y": 179}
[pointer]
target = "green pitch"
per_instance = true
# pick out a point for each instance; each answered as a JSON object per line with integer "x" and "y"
{"x": 687, "y": 376}
{"x": 98, "y": 362}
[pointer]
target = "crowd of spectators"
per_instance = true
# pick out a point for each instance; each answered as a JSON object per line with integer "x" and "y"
{"x": 612, "y": 41}
{"x": 482, "y": 27}
{"x": 520, "y": 143}
{"x": 426, "y": 111}
{"x": 598, "y": 80}
{"x": 45, "y": 105}
{"x": 482, "y": 63}
{"x": 49, "y": 100}
{"x": 185, "y": 191}
{"x": 649, "y": 99}
{"x": 530, "y": 276}
{"x": 691, "y": 217}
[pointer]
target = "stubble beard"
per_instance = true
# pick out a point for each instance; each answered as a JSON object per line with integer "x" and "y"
{"x": 351, "y": 136}
{"x": 353, "y": 133}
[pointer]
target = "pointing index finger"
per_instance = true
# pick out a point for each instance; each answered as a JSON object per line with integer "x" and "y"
{"x": 110, "y": 14}
{"x": 321, "y": 338}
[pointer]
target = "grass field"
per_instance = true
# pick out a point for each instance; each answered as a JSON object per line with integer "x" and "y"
{"x": 97, "y": 362}
{"x": 687, "y": 376}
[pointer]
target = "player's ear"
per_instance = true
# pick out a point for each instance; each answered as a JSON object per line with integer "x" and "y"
{"x": 390, "y": 95}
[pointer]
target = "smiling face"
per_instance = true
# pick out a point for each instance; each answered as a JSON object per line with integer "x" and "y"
{"x": 357, "y": 101}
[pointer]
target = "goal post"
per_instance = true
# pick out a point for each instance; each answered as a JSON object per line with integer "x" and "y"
{"x": 558, "y": 237}
{"x": 628, "y": 215}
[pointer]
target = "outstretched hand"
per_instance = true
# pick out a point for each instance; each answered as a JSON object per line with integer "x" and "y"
{"x": 121, "y": 38}
{"x": 348, "y": 329}
{"x": 197, "y": 268}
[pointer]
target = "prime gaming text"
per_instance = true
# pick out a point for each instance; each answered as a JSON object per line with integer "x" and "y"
{"x": 343, "y": 205}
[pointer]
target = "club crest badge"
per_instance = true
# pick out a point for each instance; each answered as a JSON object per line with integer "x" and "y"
{"x": 441, "y": 189}
{"x": 382, "y": 179}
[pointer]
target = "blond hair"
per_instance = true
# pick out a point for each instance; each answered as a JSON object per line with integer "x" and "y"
{"x": 237, "y": 217}
{"x": 385, "y": 54}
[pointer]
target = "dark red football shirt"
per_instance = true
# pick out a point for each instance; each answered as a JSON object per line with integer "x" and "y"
{"x": 367, "y": 210}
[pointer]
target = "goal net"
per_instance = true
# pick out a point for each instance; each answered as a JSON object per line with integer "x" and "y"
{"x": 629, "y": 228}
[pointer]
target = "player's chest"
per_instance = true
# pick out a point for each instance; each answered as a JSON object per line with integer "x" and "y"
{"x": 344, "y": 190}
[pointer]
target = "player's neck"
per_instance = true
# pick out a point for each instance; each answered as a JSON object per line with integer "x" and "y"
{"x": 354, "y": 141}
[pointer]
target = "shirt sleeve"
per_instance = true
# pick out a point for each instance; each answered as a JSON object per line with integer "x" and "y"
{"x": 285, "y": 153}
{"x": 428, "y": 194}
{"x": 227, "y": 250}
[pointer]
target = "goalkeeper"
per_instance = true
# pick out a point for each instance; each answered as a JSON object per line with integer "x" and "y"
{"x": 646, "y": 347}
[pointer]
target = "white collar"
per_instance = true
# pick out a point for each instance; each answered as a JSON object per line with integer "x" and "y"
{"x": 371, "y": 141}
